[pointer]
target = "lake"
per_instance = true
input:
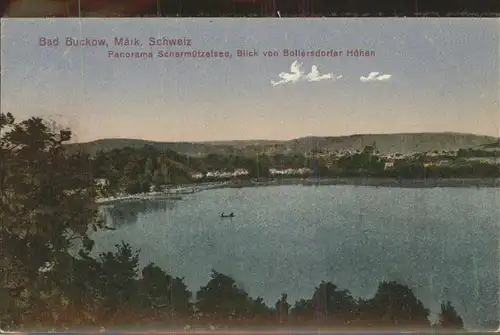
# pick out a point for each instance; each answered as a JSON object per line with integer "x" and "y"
{"x": 442, "y": 242}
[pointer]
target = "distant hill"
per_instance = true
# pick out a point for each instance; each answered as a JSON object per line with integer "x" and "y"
{"x": 492, "y": 145}
{"x": 385, "y": 143}
{"x": 402, "y": 142}
{"x": 189, "y": 148}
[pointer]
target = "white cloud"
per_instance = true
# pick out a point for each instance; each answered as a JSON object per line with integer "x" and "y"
{"x": 375, "y": 76}
{"x": 293, "y": 76}
{"x": 296, "y": 74}
{"x": 314, "y": 75}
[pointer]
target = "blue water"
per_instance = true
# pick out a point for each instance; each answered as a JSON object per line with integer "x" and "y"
{"x": 442, "y": 242}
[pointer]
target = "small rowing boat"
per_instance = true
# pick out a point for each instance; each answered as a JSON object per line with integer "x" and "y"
{"x": 230, "y": 215}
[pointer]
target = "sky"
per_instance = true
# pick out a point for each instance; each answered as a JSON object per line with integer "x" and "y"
{"x": 433, "y": 75}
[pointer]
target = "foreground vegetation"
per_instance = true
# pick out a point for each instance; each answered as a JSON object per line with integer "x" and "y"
{"x": 46, "y": 208}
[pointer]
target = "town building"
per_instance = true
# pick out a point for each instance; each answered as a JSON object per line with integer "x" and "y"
{"x": 389, "y": 165}
{"x": 101, "y": 182}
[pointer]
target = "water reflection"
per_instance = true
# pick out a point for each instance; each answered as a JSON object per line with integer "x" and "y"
{"x": 128, "y": 212}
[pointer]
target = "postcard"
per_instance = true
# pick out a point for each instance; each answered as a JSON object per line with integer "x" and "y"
{"x": 274, "y": 174}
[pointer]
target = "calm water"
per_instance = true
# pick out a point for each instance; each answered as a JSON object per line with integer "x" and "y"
{"x": 441, "y": 242}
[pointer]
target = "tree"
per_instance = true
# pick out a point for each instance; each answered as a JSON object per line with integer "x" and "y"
{"x": 158, "y": 180}
{"x": 329, "y": 302}
{"x": 117, "y": 276}
{"x": 222, "y": 298}
{"x": 397, "y": 305}
{"x": 46, "y": 199}
{"x": 260, "y": 309}
{"x": 161, "y": 291}
{"x": 449, "y": 318}
{"x": 369, "y": 149}
{"x": 303, "y": 310}
{"x": 260, "y": 167}
{"x": 282, "y": 307}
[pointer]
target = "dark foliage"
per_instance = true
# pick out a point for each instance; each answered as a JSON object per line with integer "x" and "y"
{"x": 449, "y": 318}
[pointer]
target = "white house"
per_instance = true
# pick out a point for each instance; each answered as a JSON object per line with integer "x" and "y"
{"x": 197, "y": 175}
{"x": 226, "y": 174}
{"x": 289, "y": 171}
{"x": 101, "y": 182}
{"x": 240, "y": 172}
{"x": 486, "y": 160}
{"x": 389, "y": 165}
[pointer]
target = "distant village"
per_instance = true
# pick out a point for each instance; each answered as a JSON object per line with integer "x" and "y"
{"x": 435, "y": 158}
{"x": 488, "y": 155}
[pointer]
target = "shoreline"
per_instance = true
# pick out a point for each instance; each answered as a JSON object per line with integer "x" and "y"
{"x": 172, "y": 194}
{"x": 393, "y": 182}
{"x": 176, "y": 193}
